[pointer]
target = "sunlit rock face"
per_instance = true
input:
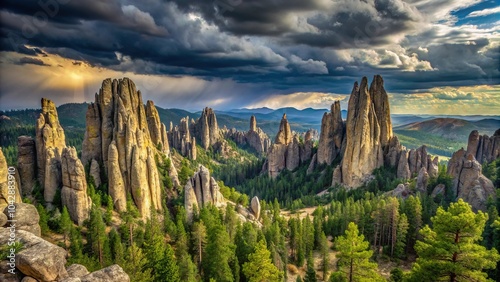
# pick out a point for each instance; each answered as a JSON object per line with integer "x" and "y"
{"x": 50, "y": 142}
{"x": 118, "y": 136}
{"x": 255, "y": 137}
{"x": 366, "y": 141}
{"x": 201, "y": 190}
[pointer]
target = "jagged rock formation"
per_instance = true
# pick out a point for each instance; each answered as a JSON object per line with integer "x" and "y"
{"x": 206, "y": 129}
{"x": 255, "y": 206}
{"x": 422, "y": 180}
{"x": 27, "y": 218}
{"x": 468, "y": 181}
{"x": 363, "y": 151}
{"x": 285, "y": 152}
{"x": 180, "y": 139}
{"x": 157, "y": 130}
{"x": 118, "y": 121}
{"x": 365, "y": 141}
{"x": 484, "y": 148}
{"x": 26, "y": 163}
{"x": 74, "y": 191}
{"x": 201, "y": 190}
{"x": 108, "y": 274}
{"x": 50, "y": 141}
{"x": 331, "y": 136}
{"x": 255, "y": 137}
{"x": 307, "y": 147}
{"x": 7, "y": 181}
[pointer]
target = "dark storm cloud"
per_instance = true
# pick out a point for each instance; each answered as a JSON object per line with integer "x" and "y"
{"x": 281, "y": 46}
{"x": 32, "y": 61}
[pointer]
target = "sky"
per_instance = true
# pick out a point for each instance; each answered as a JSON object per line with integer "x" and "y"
{"x": 436, "y": 56}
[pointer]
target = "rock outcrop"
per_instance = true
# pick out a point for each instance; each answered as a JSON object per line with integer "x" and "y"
{"x": 26, "y": 216}
{"x": 26, "y": 163}
{"x": 484, "y": 148}
{"x": 363, "y": 151}
{"x": 402, "y": 191}
{"x": 38, "y": 258}
{"x": 180, "y": 139}
{"x": 365, "y": 141}
{"x": 157, "y": 130}
{"x": 9, "y": 190}
{"x": 422, "y": 180}
{"x": 468, "y": 181}
{"x": 50, "y": 141}
{"x": 127, "y": 149}
{"x": 331, "y": 136}
{"x": 74, "y": 191}
{"x": 201, "y": 190}
{"x": 255, "y": 137}
{"x": 206, "y": 129}
{"x": 285, "y": 153}
{"x": 255, "y": 206}
{"x": 113, "y": 273}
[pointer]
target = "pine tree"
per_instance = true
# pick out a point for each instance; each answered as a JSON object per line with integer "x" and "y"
{"x": 44, "y": 217}
{"x": 168, "y": 270}
{"x": 66, "y": 224}
{"x": 310, "y": 272}
{"x": 117, "y": 250}
{"x": 354, "y": 256}
{"x": 97, "y": 234}
{"x": 402, "y": 231}
{"x": 413, "y": 210}
{"x": 218, "y": 252}
{"x": 135, "y": 265}
{"x": 260, "y": 267}
{"x": 449, "y": 251}
{"x": 199, "y": 235}
{"x": 325, "y": 255}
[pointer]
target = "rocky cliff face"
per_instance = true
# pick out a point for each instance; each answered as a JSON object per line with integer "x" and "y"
{"x": 331, "y": 136}
{"x": 74, "y": 190}
{"x": 119, "y": 122}
{"x": 50, "y": 141}
{"x": 26, "y": 163}
{"x": 468, "y": 181}
{"x": 484, "y": 148}
{"x": 180, "y": 139}
{"x": 365, "y": 141}
{"x": 201, "y": 190}
{"x": 255, "y": 137}
{"x": 363, "y": 151}
{"x": 157, "y": 130}
{"x": 206, "y": 129}
{"x": 287, "y": 152}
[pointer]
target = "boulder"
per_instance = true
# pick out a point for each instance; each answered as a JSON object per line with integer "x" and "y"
{"x": 255, "y": 206}
{"x": 27, "y": 217}
{"x": 113, "y": 273}
{"x": 9, "y": 190}
{"x": 38, "y": 258}
{"x": 401, "y": 191}
{"x": 77, "y": 270}
{"x": 440, "y": 189}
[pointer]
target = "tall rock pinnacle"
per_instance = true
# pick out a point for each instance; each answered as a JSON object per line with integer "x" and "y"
{"x": 122, "y": 128}
{"x": 363, "y": 151}
{"x": 50, "y": 141}
{"x": 332, "y": 135}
